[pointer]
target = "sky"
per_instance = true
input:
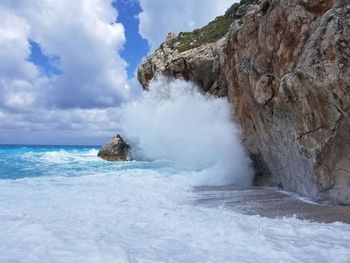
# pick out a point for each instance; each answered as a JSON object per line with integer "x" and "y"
{"x": 66, "y": 66}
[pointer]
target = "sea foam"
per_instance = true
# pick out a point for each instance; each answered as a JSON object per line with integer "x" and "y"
{"x": 63, "y": 204}
{"x": 146, "y": 215}
{"x": 175, "y": 121}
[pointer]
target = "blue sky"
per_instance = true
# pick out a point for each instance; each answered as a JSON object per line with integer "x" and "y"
{"x": 135, "y": 47}
{"x": 67, "y": 66}
{"x": 46, "y": 64}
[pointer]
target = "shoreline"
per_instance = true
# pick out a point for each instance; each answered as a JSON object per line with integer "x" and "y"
{"x": 270, "y": 203}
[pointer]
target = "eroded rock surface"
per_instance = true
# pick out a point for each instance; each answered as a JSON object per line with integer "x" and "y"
{"x": 200, "y": 65}
{"x": 285, "y": 66}
{"x": 116, "y": 150}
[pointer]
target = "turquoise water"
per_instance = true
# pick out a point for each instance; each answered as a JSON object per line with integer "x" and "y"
{"x": 26, "y": 161}
{"x": 33, "y": 161}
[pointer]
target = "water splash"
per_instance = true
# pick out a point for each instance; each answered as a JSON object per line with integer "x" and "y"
{"x": 175, "y": 121}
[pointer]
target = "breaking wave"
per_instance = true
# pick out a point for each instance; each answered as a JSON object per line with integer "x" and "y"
{"x": 175, "y": 121}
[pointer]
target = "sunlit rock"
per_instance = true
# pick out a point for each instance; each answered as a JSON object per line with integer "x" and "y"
{"x": 116, "y": 150}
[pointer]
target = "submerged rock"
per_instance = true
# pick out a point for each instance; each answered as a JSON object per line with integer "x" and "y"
{"x": 285, "y": 66}
{"x": 116, "y": 150}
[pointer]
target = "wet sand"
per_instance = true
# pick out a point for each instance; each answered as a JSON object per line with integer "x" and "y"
{"x": 270, "y": 202}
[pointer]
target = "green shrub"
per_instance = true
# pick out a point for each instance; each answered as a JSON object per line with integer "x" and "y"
{"x": 248, "y": 2}
{"x": 208, "y": 34}
{"x": 265, "y": 6}
{"x": 232, "y": 10}
{"x": 213, "y": 31}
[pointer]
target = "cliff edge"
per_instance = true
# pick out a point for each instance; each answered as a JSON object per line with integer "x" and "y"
{"x": 285, "y": 66}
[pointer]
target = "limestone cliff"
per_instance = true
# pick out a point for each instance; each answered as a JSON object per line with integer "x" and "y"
{"x": 285, "y": 66}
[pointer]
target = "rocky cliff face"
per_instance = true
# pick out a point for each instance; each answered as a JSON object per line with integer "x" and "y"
{"x": 285, "y": 66}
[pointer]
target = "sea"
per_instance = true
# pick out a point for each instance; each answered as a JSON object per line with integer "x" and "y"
{"x": 63, "y": 204}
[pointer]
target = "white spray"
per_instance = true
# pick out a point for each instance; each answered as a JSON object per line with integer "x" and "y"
{"x": 175, "y": 121}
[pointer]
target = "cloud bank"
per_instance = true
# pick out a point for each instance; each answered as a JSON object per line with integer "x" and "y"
{"x": 83, "y": 41}
{"x": 84, "y": 38}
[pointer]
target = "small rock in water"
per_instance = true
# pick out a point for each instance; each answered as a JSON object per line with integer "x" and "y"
{"x": 116, "y": 150}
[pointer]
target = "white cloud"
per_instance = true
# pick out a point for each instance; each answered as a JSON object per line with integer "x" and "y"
{"x": 79, "y": 102}
{"x": 85, "y": 37}
{"x": 58, "y": 126}
{"x": 160, "y": 17}
{"x": 79, "y": 105}
{"x": 14, "y": 32}
{"x": 16, "y": 74}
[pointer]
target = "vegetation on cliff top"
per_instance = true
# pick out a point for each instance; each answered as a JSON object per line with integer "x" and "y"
{"x": 214, "y": 30}
{"x": 208, "y": 34}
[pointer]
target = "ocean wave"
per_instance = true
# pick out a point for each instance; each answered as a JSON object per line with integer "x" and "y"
{"x": 175, "y": 121}
{"x": 62, "y": 156}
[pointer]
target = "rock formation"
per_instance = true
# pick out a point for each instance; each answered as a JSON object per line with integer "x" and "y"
{"x": 116, "y": 150}
{"x": 285, "y": 66}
